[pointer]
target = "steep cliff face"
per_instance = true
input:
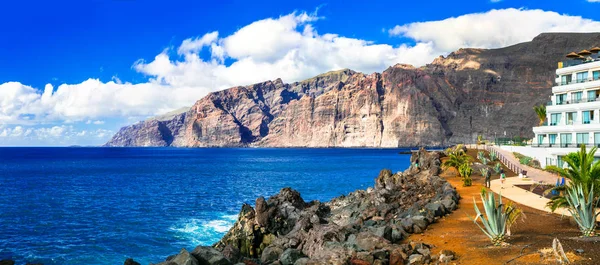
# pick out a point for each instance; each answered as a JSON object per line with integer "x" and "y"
{"x": 451, "y": 100}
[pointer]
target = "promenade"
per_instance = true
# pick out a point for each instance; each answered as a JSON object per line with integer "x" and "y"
{"x": 509, "y": 189}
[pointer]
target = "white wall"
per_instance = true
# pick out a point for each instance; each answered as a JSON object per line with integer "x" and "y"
{"x": 538, "y": 153}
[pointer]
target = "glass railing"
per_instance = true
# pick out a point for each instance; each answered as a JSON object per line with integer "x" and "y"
{"x": 576, "y": 122}
{"x": 574, "y": 62}
{"x": 567, "y": 102}
{"x": 578, "y": 81}
{"x": 569, "y": 145}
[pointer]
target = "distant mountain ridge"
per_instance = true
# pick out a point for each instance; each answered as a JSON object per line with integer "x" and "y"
{"x": 452, "y": 100}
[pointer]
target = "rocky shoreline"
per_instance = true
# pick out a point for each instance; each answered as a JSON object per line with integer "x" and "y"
{"x": 365, "y": 227}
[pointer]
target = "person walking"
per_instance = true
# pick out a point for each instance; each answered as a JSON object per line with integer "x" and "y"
{"x": 488, "y": 178}
{"x": 502, "y": 178}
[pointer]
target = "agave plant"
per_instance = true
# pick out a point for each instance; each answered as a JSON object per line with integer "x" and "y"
{"x": 484, "y": 160}
{"x": 483, "y": 171}
{"x": 582, "y": 209}
{"x": 497, "y": 168}
{"x": 480, "y": 155}
{"x": 493, "y": 156}
{"x": 496, "y": 217}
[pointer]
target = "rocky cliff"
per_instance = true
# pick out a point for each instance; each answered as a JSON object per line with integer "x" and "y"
{"x": 452, "y": 100}
{"x": 365, "y": 227}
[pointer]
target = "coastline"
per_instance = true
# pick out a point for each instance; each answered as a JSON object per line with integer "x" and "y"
{"x": 365, "y": 226}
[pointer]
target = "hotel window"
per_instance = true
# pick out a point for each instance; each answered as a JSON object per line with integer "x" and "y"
{"x": 561, "y": 99}
{"x": 559, "y": 161}
{"x": 591, "y": 95}
{"x": 596, "y": 75}
{"x": 571, "y": 118}
{"x": 582, "y": 77}
{"x": 597, "y": 139}
{"x": 565, "y": 139}
{"x": 588, "y": 116}
{"x": 541, "y": 138}
{"x": 554, "y": 119}
{"x": 583, "y": 138}
{"x": 552, "y": 139}
{"x": 576, "y": 97}
{"x": 565, "y": 79}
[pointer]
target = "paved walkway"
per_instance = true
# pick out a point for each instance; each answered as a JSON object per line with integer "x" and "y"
{"x": 522, "y": 196}
{"x": 508, "y": 159}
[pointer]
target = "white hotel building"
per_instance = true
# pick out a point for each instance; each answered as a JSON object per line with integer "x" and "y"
{"x": 573, "y": 114}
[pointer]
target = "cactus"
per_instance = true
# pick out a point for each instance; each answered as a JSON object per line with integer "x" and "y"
{"x": 582, "y": 209}
{"x": 496, "y": 217}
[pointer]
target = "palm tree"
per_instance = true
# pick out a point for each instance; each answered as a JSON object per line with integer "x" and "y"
{"x": 581, "y": 170}
{"x": 540, "y": 110}
{"x": 456, "y": 158}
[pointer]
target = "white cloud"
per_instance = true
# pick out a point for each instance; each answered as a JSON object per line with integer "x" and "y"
{"x": 194, "y": 45}
{"x": 288, "y": 47}
{"x": 53, "y": 135}
{"x": 492, "y": 29}
{"x": 594, "y": 1}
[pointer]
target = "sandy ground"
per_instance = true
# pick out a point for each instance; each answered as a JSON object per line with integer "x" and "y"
{"x": 458, "y": 233}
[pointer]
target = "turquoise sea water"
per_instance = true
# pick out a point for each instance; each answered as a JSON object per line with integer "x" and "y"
{"x": 102, "y": 205}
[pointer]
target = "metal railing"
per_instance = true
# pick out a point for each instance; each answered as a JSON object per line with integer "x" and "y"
{"x": 513, "y": 167}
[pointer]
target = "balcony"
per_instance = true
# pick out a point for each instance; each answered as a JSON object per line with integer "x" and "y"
{"x": 579, "y": 81}
{"x": 573, "y": 62}
{"x": 572, "y": 102}
{"x": 574, "y": 66}
{"x": 570, "y": 145}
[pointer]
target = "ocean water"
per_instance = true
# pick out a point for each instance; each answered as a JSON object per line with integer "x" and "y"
{"x": 103, "y": 205}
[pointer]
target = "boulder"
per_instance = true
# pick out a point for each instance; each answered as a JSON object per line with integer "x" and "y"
{"x": 419, "y": 222}
{"x": 301, "y": 261}
{"x": 290, "y": 256}
{"x": 209, "y": 256}
{"x": 231, "y": 253}
{"x": 368, "y": 241}
{"x": 270, "y": 254}
{"x": 416, "y": 259}
{"x": 183, "y": 258}
{"x": 130, "y": 261}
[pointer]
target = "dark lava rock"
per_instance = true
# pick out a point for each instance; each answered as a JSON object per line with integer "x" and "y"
{"x": 363, "y": 227}
{"x": 271, "y": 254}
{"x": 130, "y": 261}
{"x": 7, "y": 262}
{"x": 290, "y": 256}
{"x": 183, "y": 258}
{"x": 209, "y": 256}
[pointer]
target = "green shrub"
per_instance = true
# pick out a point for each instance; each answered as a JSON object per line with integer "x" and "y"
{"x": 465, "y": 170}
{"x": 525, "y": 160}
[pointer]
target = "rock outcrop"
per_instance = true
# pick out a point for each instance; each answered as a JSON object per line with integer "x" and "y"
{"x": 452, "y": 100}
{"x": 365, "y": 227}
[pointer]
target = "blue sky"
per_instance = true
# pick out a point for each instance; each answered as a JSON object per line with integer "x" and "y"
{"x": 73, "y": 72}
